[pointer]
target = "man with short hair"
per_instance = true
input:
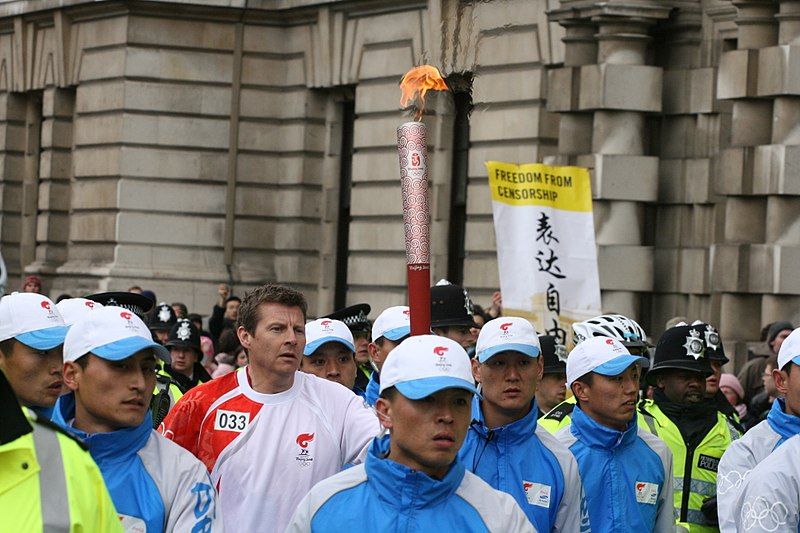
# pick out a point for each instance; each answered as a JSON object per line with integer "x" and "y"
{"x": 231, "y": 423}
{"x": 552, "y": 388}
{"x": 750, "y": 376}
{"x": 32, "y": 333}
{"x": 505, "y": 446}
{"x": 110, "y": 369}
{"x": 626, "y": 471}
{"x": 329, "y": 352}
{"x": 391, "y": 327}
{"x": 413, "y": 479}
{"x": 745, "y": 454}
{"x": 355, "y": 317}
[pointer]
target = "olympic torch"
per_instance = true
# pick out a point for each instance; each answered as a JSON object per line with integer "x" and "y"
{"x": 412, "y": 148}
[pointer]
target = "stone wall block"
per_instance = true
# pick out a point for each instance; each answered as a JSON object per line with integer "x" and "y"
{"x": 786, "y": 120}
{"x": 752, "y": 122}
{"x": 515, "y": 45}
{"x": 54, "y": 196}
{"x": 782, "y": 223}
{"x": 94, "y": 194}
{"x": 734, "y": 171}
{"x": 729, "y": 265}
{"x": 142, "y": 227}
{"x": 482, "y": 272}
{"x": 703, "y": 83}
{"x": 100, "y": 227}
{"x": 776, "y": 307}
{"x": 479, "y": 236}
{"x": 740, "y": 214}
{"x": 380, "y": 200}
{"x": 627, "y": 303}
{"x": 506, "y": 86}
{"x": 169, "y": 163}
{"x": 514, "y": 122}
{"x": 618, "y": 222}
{"x": 625, "y": 177}
{"x": 379, "y": 97}
{"x": 740, "y": 315}
{"x": 563, "y": 89}
{"x": 52, "y": 227}
{"x": 782, "y": 66}
{"x": 666, "y": 270}
{"x": 373, "y": 235}
{"x": 619, "y": 132}
{"x": 575, "y": 133}
{"x": 635, "y": 273}
{"x": 384, "y": 62}
{"x": 786, "y": 258}
{"x": 671, "y": 221}
{"x": 694, "y": 268}
{"x": 737, "y": 76}
{"x": 623, "y": 87}
{"x": 378, "y": 269}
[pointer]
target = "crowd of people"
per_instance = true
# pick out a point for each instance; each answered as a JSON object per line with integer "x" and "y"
{"x": 123, "y": 414}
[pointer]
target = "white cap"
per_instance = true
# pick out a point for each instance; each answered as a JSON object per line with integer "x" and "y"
{"x": 393, "y": 323}
{"x": 790, "y": 350}
{"x": 112, "y": 333}
{"x": 602, "y": 355}
{"x": 507, "y": 333}
{"x": 425, "y": 364}
{"x": 325, "y": 330}
{"x": 72, "y": 309}
{"x": 32, "y": 319}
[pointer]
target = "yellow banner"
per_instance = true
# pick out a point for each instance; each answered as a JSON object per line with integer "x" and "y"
{"x": 566, "y": 188}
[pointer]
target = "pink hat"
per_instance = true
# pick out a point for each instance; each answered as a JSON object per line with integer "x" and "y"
{"x": 732, "y": 382}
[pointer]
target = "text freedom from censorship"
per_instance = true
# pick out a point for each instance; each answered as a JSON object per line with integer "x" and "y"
{"x": 534, "y": 178}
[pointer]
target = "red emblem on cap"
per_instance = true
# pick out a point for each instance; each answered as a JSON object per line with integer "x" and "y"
{"x": 440, "y": 350}
{"x": 609, "y": 341}
{"x": 304, "y": 438}
{"x": 126, "y": 315}
{"x": 325, "y": 322}
{"x": 46, "y": 304}
{"x": 505, "y": 326}
{"x": 406, "y": 312}
{"x": 89, "y": 304}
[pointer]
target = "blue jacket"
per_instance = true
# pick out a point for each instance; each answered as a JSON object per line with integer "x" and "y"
{"x": 373, "y": 391}
{"x": 526, "y": 461}
{"x": 744, "y": 454}
{"x": 153, "y": 482}
{"x": 627, "y": 475}
{"x": 391, "y": 497}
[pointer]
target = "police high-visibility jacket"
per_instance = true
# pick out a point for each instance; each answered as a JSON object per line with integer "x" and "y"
{"x": 694, "y": 467}
{"x": 559, "y": 416}
{"x": 48, "y": 482}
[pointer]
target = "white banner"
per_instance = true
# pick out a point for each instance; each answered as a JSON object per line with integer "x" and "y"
{"x": 545, "y": 245}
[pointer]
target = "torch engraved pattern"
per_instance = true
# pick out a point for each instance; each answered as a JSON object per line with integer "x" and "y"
{"x": 413, "y": 150}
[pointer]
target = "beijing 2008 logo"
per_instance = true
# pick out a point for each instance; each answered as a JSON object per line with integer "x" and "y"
{"x": 304, "y": 457}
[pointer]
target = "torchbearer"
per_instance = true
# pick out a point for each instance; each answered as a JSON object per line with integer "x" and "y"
{"x": 412, "y": 148}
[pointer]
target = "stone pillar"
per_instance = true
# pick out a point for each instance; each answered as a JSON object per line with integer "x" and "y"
{"x": 604, "y": 93}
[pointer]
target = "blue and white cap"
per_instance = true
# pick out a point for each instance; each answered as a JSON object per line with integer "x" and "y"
{"x": 601, "y": 355}
{"x": 424, "y": 365}
{"x": 32, "y": 319}
{"x": 325, "y": 330}
{"x": 72, "y": 309}
{"x": 112, "y": 333}
{"x": 790, "y": 350}
{"x": 393, "y": 323}
{"x": 507, "y": 333}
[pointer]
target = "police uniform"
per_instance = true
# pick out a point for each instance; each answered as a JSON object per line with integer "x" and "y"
{"x": 697, "y": 434}
{"x": 49, "y": 482}
{"x": 355, "y": 317}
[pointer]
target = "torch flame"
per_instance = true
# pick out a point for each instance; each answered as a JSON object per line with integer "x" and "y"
{"x": 418, "y": 81}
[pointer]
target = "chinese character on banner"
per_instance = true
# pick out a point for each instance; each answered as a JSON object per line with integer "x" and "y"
{"x": 548, "y": 275}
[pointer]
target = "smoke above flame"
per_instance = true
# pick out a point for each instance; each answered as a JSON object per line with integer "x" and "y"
{"x": 416, "y": 82}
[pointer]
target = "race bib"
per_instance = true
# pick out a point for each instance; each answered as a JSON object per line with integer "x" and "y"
{"x": 231, "y": 421}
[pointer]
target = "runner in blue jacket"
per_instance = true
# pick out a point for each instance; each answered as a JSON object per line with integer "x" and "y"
{"x": 505, "y": 446}
{"x": 412, "y": 480}
{"x": 627, "y": 472}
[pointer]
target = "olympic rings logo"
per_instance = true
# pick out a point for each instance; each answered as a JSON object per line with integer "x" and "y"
{"x": 767, "y": 517}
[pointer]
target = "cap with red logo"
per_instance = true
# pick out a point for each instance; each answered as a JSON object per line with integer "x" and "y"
{"x": 601, "y": 355}
{"x": 425, "y": 364}
{"x": 394, "y": 323}
{"x": 507, "y": 333}
{"x": 325, "y": 330}
{"x": 72, "y": 309}
{"x": 112, "y": 333}
{"x": 32, "y": 319}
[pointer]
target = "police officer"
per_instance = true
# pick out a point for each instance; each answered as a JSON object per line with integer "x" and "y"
{"x": 184, "y": 348}
{"x": 552, "y": 388}
{"x": 717, "y": 359}
{"x": 162, "y": 321}
{"x": 695, "y": 430}
{"x": 451, "y": 315}
{"x": 50, "y": 483}
{"x": 355, "y": 317}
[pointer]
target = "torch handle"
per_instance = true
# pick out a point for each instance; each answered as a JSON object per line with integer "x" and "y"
{"x": 419, "y": 298}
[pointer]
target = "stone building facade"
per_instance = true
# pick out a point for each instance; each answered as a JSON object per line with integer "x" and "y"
{"x": 177, "y": 144}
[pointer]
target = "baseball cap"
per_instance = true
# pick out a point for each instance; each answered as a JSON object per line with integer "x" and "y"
{"x": 325, "y": 330}
{"x": 393, "y": 323}
{"x": 425, "y": 364}
{"x": 32, "y": 319}
{"x": 790, "y": 350}
{"x": 507, "y": 333}
{"x": 601, "y": 355}
{"x": 112, "y": 333}
{"x": 72, "y": 309}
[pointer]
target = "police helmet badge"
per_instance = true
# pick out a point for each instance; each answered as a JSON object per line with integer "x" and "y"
{"x": 561, "y": 350}
{"x": 694, "y": 346}
{"x": 184, "y": 330}
{"x": 163, "y": 313}
{"x": 712, "y": 338}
